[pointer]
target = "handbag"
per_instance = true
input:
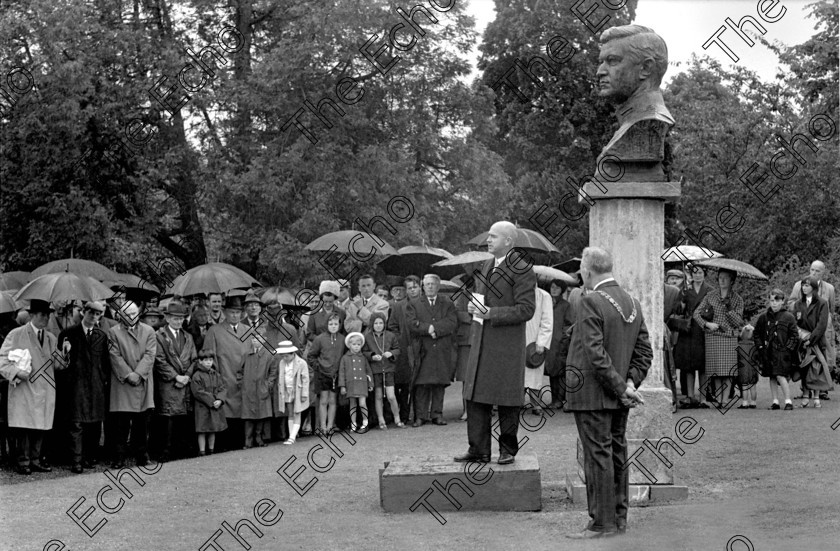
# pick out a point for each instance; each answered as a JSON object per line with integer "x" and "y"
{"x": 708, "y": 313}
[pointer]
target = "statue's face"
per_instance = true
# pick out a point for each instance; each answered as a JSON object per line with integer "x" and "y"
{"x": 619, "y": 73}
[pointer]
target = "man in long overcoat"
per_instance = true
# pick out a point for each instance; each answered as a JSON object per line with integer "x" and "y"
{"x": 31, "y": 394}
{"x": 132, "y": 348}
{"x": 230, "y": 342}
{"x": 612, "y": 353}
{"x": 174, "y": 365}
{"x": 432, "y": 320}
{"x": 85, "y": 383}
{"x": 495, "y": 372}
{"x": 398, "y": 325}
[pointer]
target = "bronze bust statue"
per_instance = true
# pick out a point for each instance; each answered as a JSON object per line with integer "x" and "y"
{"x": 633, "y": 61}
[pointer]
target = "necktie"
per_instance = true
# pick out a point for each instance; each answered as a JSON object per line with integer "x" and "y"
{"x": 364, "y": 302}
{"x": 432, "y": 302}
{"x": 41, "y": 337}
{"x": 234, "y": 330}
{"x": 89, "y": 333}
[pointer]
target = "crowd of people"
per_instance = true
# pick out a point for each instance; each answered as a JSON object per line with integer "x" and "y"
{"x": 170, "y": 380}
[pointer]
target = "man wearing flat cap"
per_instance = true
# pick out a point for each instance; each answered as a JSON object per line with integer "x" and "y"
{"x": 83, "y": 387}
{"x": 32, "y": 384}
{"x": 174, "y": 363}
{"x": 230, "y": 341}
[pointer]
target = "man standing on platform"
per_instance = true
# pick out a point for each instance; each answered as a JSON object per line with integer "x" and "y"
{"x": 31, "y": 386}
{"x": 225, "y": 340}
{"x": 432, "y": 321}
{"x": 611, "y": 350}
{"x": 85, "y": 382}
{"x": 132, "y": 348}
{"x": 495, "y": 373}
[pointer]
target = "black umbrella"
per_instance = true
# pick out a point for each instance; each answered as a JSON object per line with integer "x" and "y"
{"x": 413, "y": 260}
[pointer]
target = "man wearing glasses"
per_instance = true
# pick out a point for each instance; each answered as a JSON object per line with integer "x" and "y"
{"x": 83, "y": 386}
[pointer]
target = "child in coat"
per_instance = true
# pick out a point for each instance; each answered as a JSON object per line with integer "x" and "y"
{"x": 381, "y": 350}
{"x": 259, "y": 379}
{"x": 208, "y": 389}
{"x": 293, "y": 386}
{"x": 324, "y": 357}
{"x": 355, "y": 379}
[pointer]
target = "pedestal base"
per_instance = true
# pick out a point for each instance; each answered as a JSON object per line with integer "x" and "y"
{"x": 654, "y": 419}
{"x": 409, "y": 484}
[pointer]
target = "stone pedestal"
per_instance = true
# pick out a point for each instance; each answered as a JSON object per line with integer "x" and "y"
{"x": 438, "y": 484}
{"x": 629, "y": 220}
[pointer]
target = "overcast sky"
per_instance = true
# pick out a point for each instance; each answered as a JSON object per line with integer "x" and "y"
{"x": 687, "y": 24}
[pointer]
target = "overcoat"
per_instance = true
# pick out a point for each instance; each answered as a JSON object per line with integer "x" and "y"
{"x": 398, "y": 325}
{"x": 259, "y": 379}
{"x": 539, "y": 330}
{"x": 776, "y": 339}
{"x": 358, "y": 313}
{"x": 300, "y": 372}
{"x": 462, "y": 336}
{"x": 812, "y": 317}
{"x": 379, "y": 344}
{"x": 495, "y": 372}
{"x": 325, "y": 354}
{"x": 173, "y": 357}
{"x": 555, "y": 360}
{"x": 207, "y": 387}
{"x": 132, "y": 351}
{"x": 608, "y": 347}
{"x": 84, "y": 385}
{"x": 690, "y": 350}
{"x": 317, "y": 322}
{"x": 230, "y": 354}
{"x": 434, "y": 356}
{"x": 722, "y": 344}
{"x": 825, "y": 291}
{"x": 354, "y": 374}
{"x": 31, "y": 402}
{"x": 198, "y": 332}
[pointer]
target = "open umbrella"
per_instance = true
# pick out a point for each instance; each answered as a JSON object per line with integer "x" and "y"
{"x": 7, "y": 303}
{"x": 683, "y": 253}
{"x": 135, "y": 287}
{"x": 547, "y": 274}
{"x": 413, "y": 259}
{"x": 64, "y": 286}
{"x": 525, "y": 239}
{"x": 215, "y": 277}
{"x": 78, "y": 266}
{"x": 361, "y": 243}
{"x": 568, "y": 266}
{"x": 741, "y": 268}
{"x": 12, "y": 281}
{"x": 459, "y": 263}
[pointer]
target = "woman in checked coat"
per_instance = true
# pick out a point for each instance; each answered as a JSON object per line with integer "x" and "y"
{"x": 722, "y": 332}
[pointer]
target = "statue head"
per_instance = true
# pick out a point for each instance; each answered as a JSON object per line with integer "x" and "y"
{"x": 632, "y": 58}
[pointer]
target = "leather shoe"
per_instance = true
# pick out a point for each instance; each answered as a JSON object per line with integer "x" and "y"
{"x": 505, "y": 458}
{"x": 418, "y": 423}
{"x": 40, "y": 468}
{"x": 88, "y": 463}
{"x": 472, "y": 457}
{"x": 589, "y": 535}
{"x": 621, "y": 528}
{"x": 77, "y": 468}
{"x": 24, "y": 470}
{"x": 118, "y": 464}
{"x": 439, "y": 422}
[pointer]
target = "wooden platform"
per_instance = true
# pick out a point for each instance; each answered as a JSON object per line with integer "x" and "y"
{"x": 421, "y": 484}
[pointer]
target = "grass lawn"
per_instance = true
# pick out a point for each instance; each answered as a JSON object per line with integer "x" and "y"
{"x": 770, "y": 477}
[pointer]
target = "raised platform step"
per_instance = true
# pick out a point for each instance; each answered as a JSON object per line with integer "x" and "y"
{"x": 437, "y": 483}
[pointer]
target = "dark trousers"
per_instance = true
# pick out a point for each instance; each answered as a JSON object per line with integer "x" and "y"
{"x": 28, "y": 442}
{"x": 403, "y": 394}
{"x": 604, "y": 456}
{"x": 175, "y": 435}
{"x": 233, "y": 437}
{"x": 558, "y": 388}
{"x": 84, "y": 440}
{"x": 479, "y": 418}
{"x": 138, "y": 424}
{"x": 429, "y": 402}
{"x": 257, "y": 431}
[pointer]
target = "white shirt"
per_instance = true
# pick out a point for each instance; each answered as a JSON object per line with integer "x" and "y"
{"x": 602, "y": 282}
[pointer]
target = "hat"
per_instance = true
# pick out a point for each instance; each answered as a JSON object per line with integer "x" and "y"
{"x": 286, "y": 347}
{"x": 95, "y": 305}
{"x": 153, "y": 312}
{"x": 233, "y": 302}
{"x": 251, "y": 296}
{"x": 353, "y": 334}
{"x": 532, "y": 359}
{"x": 38, "y": 306}
{"x": 175, "y": 308}
{"x": 675, "y": 273}
{"x": 332, "y": 287}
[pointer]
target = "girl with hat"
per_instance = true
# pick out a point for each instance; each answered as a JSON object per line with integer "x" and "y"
{"x": 355, "y": 379}
{"x": 208, "y": 389}
{"x": 293, "y": 387}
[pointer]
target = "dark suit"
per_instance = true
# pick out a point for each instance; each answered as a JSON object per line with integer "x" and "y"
{"x": 495, "y": 373}
{"x": 434, "y": 356}
{"x": 608, "y": 348}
